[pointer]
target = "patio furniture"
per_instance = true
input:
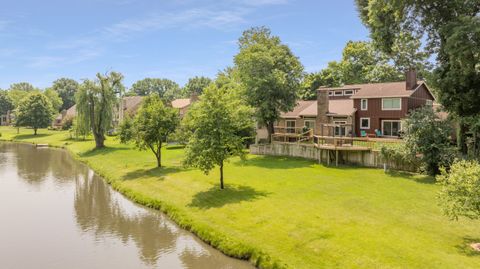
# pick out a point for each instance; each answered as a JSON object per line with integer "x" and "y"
{"x": 363, "y": 133}
{"x": 378, "y": 133}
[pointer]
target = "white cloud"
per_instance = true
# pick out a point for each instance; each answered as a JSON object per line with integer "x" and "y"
{"x": 55, "y": 61}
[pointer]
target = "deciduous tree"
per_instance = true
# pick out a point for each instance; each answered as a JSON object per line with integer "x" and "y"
{"x": 429, "y": 136}
{"x": 271, "y": 74}
{"x": 66, "y": 89}
{"x": 165, "y": 88}
{"x": 151, "y": 126}
{"x": 54, "y": 98}
{"x": 218, "y": 121}
{"x": 195, "y": 86}
{"x": 34, "y": 111}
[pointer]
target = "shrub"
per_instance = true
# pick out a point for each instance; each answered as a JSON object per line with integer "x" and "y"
{"x": 460, "y": 194}
{"x": 429, "y": 137}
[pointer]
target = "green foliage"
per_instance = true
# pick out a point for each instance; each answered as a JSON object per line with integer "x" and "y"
{"x": 54, "y": 98}
{"x": 34, "y": 111}
{"x": 217, "y": 121}
{"x": 95, "y": 104}
{"x": 6, "y": 103}
{"x": 401, "y": 156}
{"x": 195, "y": 86}
{"x": 458, "y": 76}
{"x": 165, "y": 88}
{"x": 19, "y": 91}
{"x": 460, "y": 194}
{"x": 125, "y": 130}
{"x": 151, "y": 126}
{"x": 66, "y": 89}
{"x": 79, "y": 129}
{"x": 427, "y": 135}
{"x": 270, "y": 73}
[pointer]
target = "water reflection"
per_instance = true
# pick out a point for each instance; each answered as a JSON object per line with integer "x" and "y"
{"x": 101, "y": 214}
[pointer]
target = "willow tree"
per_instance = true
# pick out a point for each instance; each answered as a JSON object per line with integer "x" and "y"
{"x": 96, "y": 101}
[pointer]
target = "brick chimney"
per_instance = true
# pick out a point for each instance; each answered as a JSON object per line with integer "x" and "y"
{"x": 411, "y": 79}
{"x": 322, "y": 110}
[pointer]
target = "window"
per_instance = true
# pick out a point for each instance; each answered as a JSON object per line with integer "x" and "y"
{"x": 338, "y": 93}
{"x": 391, "y": 104}
{"x": 429, "y": 103}
{"x": 391, "y": 127}
{"x": 340, "y": 130}
{"x": 348, "y": 92}
{"x": 290, "y": 126}
{"x": 310, "y": 124}
{"x": 364, "y": 104}
{"x": 364, "y": 123}
{"x": 330, "y": 93}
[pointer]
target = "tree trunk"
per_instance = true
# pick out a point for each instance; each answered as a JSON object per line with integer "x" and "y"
{"x": 159, "y": 155}
{"x": 99, "y": 140}
{"x": 34, "y": 131}
{"x": 270, "y": 131}
{"x": 461, "y": 139}
{"x": 221, "y": 175}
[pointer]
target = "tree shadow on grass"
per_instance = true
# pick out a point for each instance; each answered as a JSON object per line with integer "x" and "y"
{"x": 215, "y": 197}
{"x": 102, "y": 151}
{"x": 159, "y": 172}
{"x": 172, "y": 147}
{"x": 423, "y": 179}
{"x": 275, "y": 162}
{"x": 465, "y": 248}
{"x": 29, "y": 136}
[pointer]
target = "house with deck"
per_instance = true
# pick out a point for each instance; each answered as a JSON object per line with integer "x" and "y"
{"x": 360, "y": 110}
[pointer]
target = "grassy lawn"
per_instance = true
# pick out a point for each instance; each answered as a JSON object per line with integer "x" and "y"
{"x": 294, "y": 211}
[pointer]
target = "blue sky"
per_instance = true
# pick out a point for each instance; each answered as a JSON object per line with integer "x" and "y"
{"x": 41, "y": 41}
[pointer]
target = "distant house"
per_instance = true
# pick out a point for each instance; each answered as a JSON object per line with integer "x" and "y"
{"x": 127, "y": 107}
{"x": 6, "y": 119}
{"x": 183, "y": 104}
{"x": 373, "y": 109}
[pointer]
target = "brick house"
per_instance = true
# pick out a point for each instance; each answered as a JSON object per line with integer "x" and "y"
{"x": 373, "y": 109}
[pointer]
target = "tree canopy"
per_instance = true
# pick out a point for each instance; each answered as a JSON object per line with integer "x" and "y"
{"x": 195, "y": 86}
{"x": 270, "y": 73}
{"x": 66, "y": 89}
{"x": 18, "y": 91}
{"x": 54, "y": 98}
{"x": 166, "y": 89}
{"x": 34, "y": 111}
{"x": 96, "y": 100}
{"x": 218, "y": 122}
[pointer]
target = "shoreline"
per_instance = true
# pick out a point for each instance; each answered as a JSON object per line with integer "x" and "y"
{"x": 228, "y": 246}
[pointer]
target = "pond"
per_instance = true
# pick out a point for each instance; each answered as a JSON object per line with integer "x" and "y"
{"x": 57, "y": 213}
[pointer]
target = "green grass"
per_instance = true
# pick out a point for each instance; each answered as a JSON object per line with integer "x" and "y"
{"x": 290, "y": 212}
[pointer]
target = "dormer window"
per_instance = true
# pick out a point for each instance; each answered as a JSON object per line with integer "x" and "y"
{"x": 348, "y": 92}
